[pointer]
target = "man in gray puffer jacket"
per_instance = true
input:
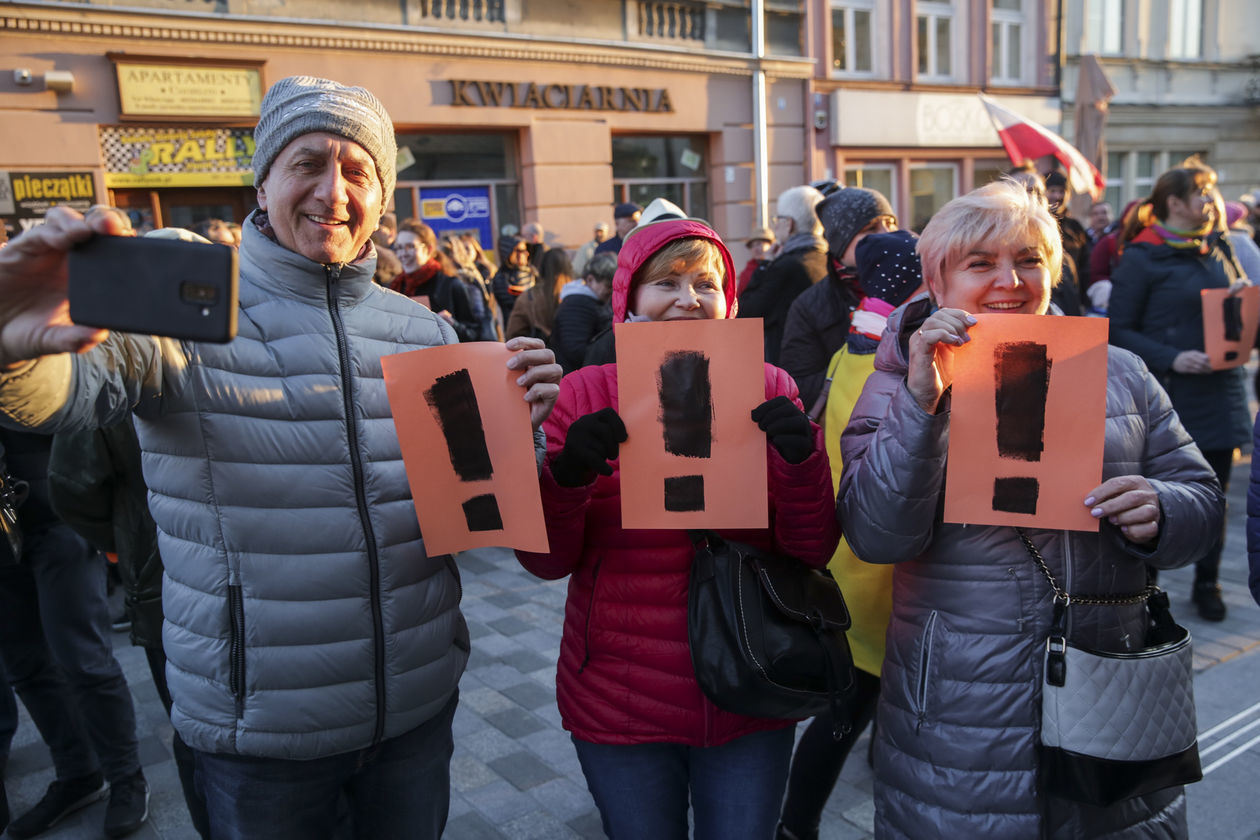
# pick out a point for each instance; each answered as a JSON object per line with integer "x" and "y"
{"x": 314, "y": 648}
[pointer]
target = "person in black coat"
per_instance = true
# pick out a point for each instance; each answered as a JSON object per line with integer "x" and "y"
{"x": 1173, "y": 253}
{"x": 584, "y": 312}
{"x": 818, "y": 321}
{"x": 800, "y": 263}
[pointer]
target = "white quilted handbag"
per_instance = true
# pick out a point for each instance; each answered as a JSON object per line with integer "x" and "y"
{"x": 1117, "y": 725}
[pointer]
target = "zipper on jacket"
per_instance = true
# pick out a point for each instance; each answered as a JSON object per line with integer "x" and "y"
{"x": 590, "y": 610}
{"x": 925, "y": 662}
{"x": 236, "y": 647}
{"x": 333, "y": 276}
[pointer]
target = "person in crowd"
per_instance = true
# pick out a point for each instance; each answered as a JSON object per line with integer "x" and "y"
{"x": 1076, "y": 241}
{"x": 584, "y": 254}
{"x": 1174, "y": 252}
{"x": 1251, "y": 200}
{"x": 584, "y": 312}
{"x": 1066, "y": 295}
{"x": 54, "y": 642}
{"x": 423, "y": 278}
{"x": 800, "y": 263}
{"x": 648, "y": 740}
{"x": 483, "y": 262}
{"x": 888, "y": 273}
{"x": 96, "y": 486}
{"x": 215, "y": 231}
{"x": 388, "y": 267}
{"x": 625, "y": 217}
{"x": 534, "y": 314}
{"x": 388, "y": 231}
{"x": 485, "y": 310}
{"x": 818, "y": 321}
{"x": 1239, "y": 236}
{"x": 233, "y": 228}
{"x": 535, "y": 240}
{"x": 761, "y": 249}
{"x": 959, "y": 710}
{"x": 1101, "y": 222}
{"x": 515, "y": 276}
{"x": 314, "y": 648}
{"x": 1103, "y": 257}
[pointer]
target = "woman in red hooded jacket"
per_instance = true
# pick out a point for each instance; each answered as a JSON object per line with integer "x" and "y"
{"x": 648, "y": 739}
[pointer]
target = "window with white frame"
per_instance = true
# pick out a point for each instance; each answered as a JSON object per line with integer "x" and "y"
{"x": 935, "y": 40}
{"x": 931, "y": 186}
{"x": 1185, "y": 28}
{"x": 881, "y": 177}
{"x": 852, "y": 37}
{"x": 1104, "y": 30}
{"x": 1132, "y": 175}
{"x": 1011, "y": 28}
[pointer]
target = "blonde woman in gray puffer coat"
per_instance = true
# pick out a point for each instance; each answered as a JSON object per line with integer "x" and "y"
{"x": 959, "y": 714}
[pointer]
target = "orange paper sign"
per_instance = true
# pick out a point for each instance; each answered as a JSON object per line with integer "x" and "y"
{"x": 1229, "y": 325}
{"x": 423, "y": 300}
{"x": 464, "y": 431}
{"x": 1027, "y": 422}
{"x": 694, "y": 458}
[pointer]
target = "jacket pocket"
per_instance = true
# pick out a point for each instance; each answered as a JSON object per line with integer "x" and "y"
{"x": 590, "y": 611}
{"x": 236, "y": 647}
{"x": 922, "y": 663}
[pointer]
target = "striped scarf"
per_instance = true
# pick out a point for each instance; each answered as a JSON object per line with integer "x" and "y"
{"x": 1185, "y": 239}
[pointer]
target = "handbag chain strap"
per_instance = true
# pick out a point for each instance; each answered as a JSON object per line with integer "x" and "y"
{"x": 1062, "y": 597}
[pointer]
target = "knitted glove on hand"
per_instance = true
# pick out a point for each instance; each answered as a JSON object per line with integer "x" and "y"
{"x": 787, "y": 427}
{"x": 592, "y": 441}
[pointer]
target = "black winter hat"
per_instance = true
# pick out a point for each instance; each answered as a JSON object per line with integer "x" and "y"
{"x": 844, "y": 213}
{"x": 888, "y": 266}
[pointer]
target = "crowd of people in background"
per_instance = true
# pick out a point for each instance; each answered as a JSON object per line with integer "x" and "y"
{"x": 860, "y": 319}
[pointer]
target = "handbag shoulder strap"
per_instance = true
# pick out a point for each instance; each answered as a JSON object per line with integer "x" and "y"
{"x": 1062, "y": 597}
{"x": 820, "y": 404}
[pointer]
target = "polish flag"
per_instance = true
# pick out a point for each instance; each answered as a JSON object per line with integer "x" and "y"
{"x": 1024, "y": 140}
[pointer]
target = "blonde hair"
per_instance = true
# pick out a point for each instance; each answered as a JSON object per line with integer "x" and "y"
{"x": 999, "y": 213}
{"x": 678, "y": 256}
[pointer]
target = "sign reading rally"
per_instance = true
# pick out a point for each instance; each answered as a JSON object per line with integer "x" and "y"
{"x": 158, "y": 156}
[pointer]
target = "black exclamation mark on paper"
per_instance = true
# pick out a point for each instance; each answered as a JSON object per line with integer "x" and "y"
{"x": 454, "y": 404}
{"x": 1022, "y": 374}
{"x": 1232, "y": 311}
{"x": 687, "y": 422}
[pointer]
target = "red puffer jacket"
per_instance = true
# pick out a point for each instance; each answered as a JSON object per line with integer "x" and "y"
{"x": 625, "y": 673}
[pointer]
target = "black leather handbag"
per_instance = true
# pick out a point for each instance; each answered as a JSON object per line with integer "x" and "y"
{"x": 767, "y": 633}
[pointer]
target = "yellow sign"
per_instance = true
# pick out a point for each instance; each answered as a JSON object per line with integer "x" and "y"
{"x": 158, "y": 156}
{"x": 188, "y": 90}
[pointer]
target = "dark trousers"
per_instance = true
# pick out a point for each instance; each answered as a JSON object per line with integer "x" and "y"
{"x": 184, "y": 759}
{"x": 820, "y": 758}
{"x": 1206, "y": 568}
{"x": 398, "y": 790}
{"x": 54, "y": 642}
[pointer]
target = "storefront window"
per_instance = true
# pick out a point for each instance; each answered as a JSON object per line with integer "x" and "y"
{"x": 671, "y": 167}
{"x": 931, "y": 186}
{"x": 872, "y": 177}
{"x": 460, "y": 182}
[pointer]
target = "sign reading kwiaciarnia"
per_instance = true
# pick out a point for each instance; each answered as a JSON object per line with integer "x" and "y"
{"x": 150, "y": 89}
{"x": 155, "y": 156}
{"x": 476, "y": 94}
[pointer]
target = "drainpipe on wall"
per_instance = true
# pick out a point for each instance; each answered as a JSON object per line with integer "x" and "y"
{"x": 761, "y": 166}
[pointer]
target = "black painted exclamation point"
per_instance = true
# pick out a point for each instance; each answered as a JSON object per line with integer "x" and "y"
{"x": 686, "y": 396}
{"x": 1232, "y": 310}
{"x": 1022, "y": 373}
{"x": 454, "y": 405}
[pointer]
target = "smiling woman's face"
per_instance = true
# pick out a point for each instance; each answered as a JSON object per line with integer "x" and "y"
{"x": 1011, "y": 278}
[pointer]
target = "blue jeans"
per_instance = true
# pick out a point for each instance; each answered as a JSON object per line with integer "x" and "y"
{"x": 398, "y": 790}
{"x": 735, "y": 790}
{"x": 54, "y": 626}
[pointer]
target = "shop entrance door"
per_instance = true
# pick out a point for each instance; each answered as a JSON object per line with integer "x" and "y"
{"x": 185, "y": 207}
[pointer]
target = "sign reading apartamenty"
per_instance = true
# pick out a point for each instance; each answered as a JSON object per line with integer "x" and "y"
{"x": 178, "y": 90}
{"x": 468, "y": 93}
{"x": 26, "y": 197}
{"x": 164, "y": 156}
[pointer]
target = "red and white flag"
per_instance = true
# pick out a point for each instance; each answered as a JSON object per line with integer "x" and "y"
{"x": 1024, "y": 140}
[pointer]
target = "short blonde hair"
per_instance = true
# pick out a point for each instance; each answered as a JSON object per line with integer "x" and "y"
{"x": 680, "y": 255}
{"x": 999, "y": 213}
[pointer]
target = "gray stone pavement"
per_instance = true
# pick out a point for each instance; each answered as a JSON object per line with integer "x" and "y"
{"x": 514, "y": 774}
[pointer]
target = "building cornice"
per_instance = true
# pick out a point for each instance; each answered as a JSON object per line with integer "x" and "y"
{"x": 162, "y": 29}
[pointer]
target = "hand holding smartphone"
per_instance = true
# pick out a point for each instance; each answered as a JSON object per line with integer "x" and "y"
{"x": 165, "y": 287}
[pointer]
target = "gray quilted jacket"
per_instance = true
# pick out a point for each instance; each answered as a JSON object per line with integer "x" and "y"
{"x": 960, "y": 697}
{"x": 303, "y": 617}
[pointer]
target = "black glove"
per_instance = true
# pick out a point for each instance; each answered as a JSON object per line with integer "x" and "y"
{"x": 787, "y": 427}
{"x": 592, "y": 441}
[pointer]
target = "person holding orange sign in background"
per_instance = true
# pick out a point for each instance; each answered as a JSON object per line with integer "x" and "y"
{"x": 956, "y": 751}
{"x": 1174, "y": 251}
{"x": 647, "y": 737}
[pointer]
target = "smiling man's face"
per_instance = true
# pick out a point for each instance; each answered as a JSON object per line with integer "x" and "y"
{"x": 323, "y": 197}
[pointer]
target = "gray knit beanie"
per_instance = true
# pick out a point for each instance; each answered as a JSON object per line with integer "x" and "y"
{"x": 844, "y": 213}
{"x": 304, "y": 104}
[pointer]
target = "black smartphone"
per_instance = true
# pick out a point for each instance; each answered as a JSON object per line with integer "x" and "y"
{"x": 155, "y": 286}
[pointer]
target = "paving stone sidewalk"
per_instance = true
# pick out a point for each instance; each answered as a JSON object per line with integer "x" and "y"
{"x": 514, "y": 774}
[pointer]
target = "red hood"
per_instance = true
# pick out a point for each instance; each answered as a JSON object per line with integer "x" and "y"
{"x": 642, "y": 243}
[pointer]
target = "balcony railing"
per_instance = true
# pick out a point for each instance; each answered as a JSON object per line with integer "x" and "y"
{"x": 681, "y": 22}
{"x": 462, "y": 11}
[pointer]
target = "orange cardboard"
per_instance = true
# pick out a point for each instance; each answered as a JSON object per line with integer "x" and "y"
{"x": 1222, "y": 351}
